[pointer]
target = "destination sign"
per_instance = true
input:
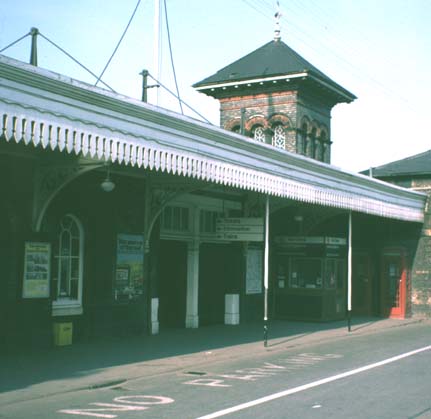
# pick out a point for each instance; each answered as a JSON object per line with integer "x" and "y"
{"x": 240, "y": 229}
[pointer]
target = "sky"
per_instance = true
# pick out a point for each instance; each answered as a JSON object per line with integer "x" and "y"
{"x": 380, "y": 50}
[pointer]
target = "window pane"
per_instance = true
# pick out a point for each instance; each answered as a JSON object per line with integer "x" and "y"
{"x": 64, "y": 277}
{"x": 74, "y": 289}
{"x": 176, "y": 218}
{"x": 75, "y": 247}
{"x": 279, "y": 138}
{"x": 167, "y": 218}
{"x": 65, "y": 243}
{"x": 331, "y": 274}
{"x": 185, "y": 219}
{"x": 306, "y": 273}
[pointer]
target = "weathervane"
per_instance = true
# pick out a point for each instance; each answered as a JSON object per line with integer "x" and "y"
{"x": 277, "y": 16}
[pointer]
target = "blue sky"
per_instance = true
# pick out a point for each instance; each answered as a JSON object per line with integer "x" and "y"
{"x": 377, "y": 49}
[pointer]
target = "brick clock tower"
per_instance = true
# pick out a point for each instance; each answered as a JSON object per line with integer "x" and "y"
{"x": 275, "y": 96}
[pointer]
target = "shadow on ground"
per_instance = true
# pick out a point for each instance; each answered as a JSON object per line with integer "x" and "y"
{"x": 28, "y": 367}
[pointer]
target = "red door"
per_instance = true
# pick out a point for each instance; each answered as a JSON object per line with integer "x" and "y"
{"x": 394, "y": 278}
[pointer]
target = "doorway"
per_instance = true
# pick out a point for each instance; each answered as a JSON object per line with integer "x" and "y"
{"x": 362, "y": 284}
{"x": 172, "y": 270}
{"x": 394, "y": 280}
{"x": 216, "y": 271}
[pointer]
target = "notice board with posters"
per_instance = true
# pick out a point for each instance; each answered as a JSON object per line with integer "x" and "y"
{"x": 254, "y": 273}
{"x": 129, "y": 270}
{"x": 37, "y": 270}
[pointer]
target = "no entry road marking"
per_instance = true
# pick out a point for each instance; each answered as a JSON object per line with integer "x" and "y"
{"x": 317, "y": 383}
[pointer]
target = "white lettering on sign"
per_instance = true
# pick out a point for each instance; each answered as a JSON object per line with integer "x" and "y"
{"x": 134, "y": 403}
{"x": 239, "y": 229}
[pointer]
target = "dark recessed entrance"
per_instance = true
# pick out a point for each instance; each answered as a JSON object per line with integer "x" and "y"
{"x": 172, "y": 271}
{"x": 216, "y": 266}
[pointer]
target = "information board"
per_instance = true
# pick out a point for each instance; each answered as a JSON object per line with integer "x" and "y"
{"x": 240, "y": 229}
{"x": 129, "y": 272}
{"x": 37, "y": 272}
{"x": 254, "y": 273}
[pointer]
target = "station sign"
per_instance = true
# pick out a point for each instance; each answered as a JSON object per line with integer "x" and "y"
{"x": 240, "y": 229}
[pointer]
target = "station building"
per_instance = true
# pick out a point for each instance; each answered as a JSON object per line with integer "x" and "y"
{"x": 119, "y": 217}
{"x": 414, "y": 172}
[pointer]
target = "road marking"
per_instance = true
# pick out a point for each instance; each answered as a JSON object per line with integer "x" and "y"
{"x": 263, "y": 371}
{"x": 135, "y": 403}
{"x": 317, "y": 383}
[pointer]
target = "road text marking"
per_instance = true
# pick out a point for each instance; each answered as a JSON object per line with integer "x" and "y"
{"x": 317, "y": 383}
{"x": 127, "y": 404}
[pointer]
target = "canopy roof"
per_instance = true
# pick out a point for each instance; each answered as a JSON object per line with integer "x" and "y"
{"x": 52, "y": 112}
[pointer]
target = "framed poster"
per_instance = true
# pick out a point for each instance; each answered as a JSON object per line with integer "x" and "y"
{"x": 129, "y": 270}
{"x": 254, "y": 273}
{"x": 37, "y": 270}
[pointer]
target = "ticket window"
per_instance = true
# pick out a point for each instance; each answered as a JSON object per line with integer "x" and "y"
{"x": 306, "y": 273}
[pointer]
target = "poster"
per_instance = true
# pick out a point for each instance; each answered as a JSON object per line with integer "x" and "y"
{"x": 254, "y": 271}
{"x": 37, "y": 272}
{"x": 129, "y": 271}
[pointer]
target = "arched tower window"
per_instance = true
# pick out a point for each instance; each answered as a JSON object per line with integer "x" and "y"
{"x": 279, "y": 137}
{"x": 318, "y": 149}
{"x": 326, "y": 147}
{"x": 68, "y": 266}
{"x": 302, "y": 139}
{"x": 259, "y": 134}
{"x": 311, "y": 143}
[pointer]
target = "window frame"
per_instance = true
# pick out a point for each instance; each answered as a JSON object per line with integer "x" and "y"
{"x": 65, "y": 305}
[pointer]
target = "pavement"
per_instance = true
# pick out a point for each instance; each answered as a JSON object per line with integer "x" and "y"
{"x": 31, "y": 374}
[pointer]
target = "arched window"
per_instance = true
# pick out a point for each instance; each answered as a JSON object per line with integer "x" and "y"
{"x": 324, "y": 145}
{"x": 259, "y": 134}
{"x": 236, "y": 128}
{"x": 279, "y": 138}
{"x": 311, "y": 143}
{"x": 302, "y": 139}
{"x": 68, "y": 267}
{"x": 318, "y": 148}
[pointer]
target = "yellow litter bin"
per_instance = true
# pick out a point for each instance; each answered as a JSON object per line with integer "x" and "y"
{"x": 63, "y": 334}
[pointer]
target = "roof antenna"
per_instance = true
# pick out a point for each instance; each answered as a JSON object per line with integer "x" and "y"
{"x": 277, "y": 30}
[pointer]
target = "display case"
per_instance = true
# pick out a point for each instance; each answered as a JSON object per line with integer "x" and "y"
{"x": 310, "y": 278}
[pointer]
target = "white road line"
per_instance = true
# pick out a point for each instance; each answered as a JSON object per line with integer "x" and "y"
{"x": 304, "y": 387}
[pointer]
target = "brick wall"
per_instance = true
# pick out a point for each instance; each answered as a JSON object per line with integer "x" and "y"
{"x": 268, "y": 105}
{"x": 421, "y": 272}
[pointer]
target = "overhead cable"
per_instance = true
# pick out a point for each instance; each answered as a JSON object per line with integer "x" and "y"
{"x": 172, "y": 57}
{"x": 119, "y": 42}
{"x": 75, "y": 60}
{"x": 15, "y": 42}
{"x": 182, "y": 101}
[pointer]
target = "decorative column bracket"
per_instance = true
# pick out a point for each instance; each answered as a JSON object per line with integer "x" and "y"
{"x": 49, "y": 180}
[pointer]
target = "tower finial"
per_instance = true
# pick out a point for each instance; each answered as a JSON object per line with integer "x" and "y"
{"x": 277, "y": 16}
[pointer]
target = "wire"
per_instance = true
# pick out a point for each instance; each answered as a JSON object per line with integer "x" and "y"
{"x": 15, "y": 42}
{"x": 173, "y": 94}
{"x": 119, "y": 42}
{"x": 75, "y": 60}
{"x": 172, "y": 57}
